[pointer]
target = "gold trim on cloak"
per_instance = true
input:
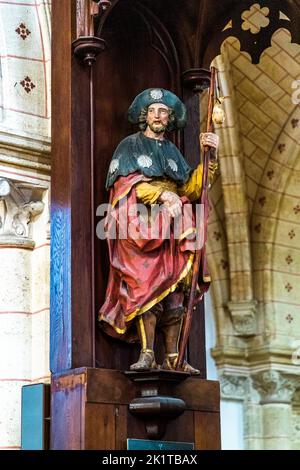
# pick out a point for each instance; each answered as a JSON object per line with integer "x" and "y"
{"x": 151, "y": 303}
{"x": 117, "y": 199}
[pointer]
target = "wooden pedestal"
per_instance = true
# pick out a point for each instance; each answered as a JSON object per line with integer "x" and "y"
{"x": 90, "y": 409}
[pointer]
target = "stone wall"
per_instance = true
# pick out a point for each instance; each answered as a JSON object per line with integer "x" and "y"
{"x": 253, "y": 243}
{"x": 24, "y": 206}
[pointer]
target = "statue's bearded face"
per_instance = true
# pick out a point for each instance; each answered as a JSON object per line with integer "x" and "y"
{"x": 158, "y": 117}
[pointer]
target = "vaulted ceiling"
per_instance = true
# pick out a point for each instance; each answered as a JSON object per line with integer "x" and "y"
{"x": 254, "y": 234}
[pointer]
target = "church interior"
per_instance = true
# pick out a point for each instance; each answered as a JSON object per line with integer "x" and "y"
{"x": 69, "y": 71}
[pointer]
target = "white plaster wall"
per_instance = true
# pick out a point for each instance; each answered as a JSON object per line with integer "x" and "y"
{"x": 231, "y": 411}
{"x": 15, "y": 270}
{"x": 10, "y": 414}
{"x": 40, "y": 297}
{"x": 15, "y": 340}
{"x": 232, "y": 425}
{"x": 210, "y": 338}
{"x": 15, "y": 349}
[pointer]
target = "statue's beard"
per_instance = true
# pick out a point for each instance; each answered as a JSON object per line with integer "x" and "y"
{"x": 157, "y": 128}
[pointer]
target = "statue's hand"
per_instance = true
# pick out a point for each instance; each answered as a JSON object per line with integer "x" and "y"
{"x": 172, "y": 202}
{"x": 210, "y": 139}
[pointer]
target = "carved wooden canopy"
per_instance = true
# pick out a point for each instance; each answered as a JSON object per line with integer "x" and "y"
{"x": 199, "y": 27}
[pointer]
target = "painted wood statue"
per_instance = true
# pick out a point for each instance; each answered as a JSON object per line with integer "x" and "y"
{"x": 150, "y": 276}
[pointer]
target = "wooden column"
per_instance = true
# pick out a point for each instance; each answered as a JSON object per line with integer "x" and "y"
{"x": 72, "y": 304}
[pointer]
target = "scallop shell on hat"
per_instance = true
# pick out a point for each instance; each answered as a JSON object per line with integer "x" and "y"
{"x": 156, "y": 94}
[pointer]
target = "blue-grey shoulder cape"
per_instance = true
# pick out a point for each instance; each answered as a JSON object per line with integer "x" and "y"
{"x": 153, "y": 158}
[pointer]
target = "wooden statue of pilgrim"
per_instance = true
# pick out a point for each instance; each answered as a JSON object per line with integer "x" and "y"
{"x": 150, "y": 275}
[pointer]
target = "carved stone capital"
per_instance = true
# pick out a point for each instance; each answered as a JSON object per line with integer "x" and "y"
{"x": 243, "y": 315}
{"x": 20, "y": 203}
{"x": 234, "y": 387}
{"x": 275, "y": 387}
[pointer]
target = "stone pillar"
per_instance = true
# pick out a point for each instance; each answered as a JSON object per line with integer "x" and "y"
{"x": 20, "y": 206}
{"x": 253, "y": 424}
{"x": 296, "y": 421}
{"x": 276, "y": 392}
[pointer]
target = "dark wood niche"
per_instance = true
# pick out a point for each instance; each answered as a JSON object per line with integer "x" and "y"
{"x": 148, "y": 43}
{"x": 142, "y": 50}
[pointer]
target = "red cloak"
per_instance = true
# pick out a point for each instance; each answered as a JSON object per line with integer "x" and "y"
{"x": 143, "y": 270}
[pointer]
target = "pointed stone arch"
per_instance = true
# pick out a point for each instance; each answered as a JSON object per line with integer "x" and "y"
{"x": 236, "y": 257}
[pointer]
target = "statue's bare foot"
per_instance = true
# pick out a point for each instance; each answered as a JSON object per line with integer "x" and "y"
{"x": 146, "y": 361}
